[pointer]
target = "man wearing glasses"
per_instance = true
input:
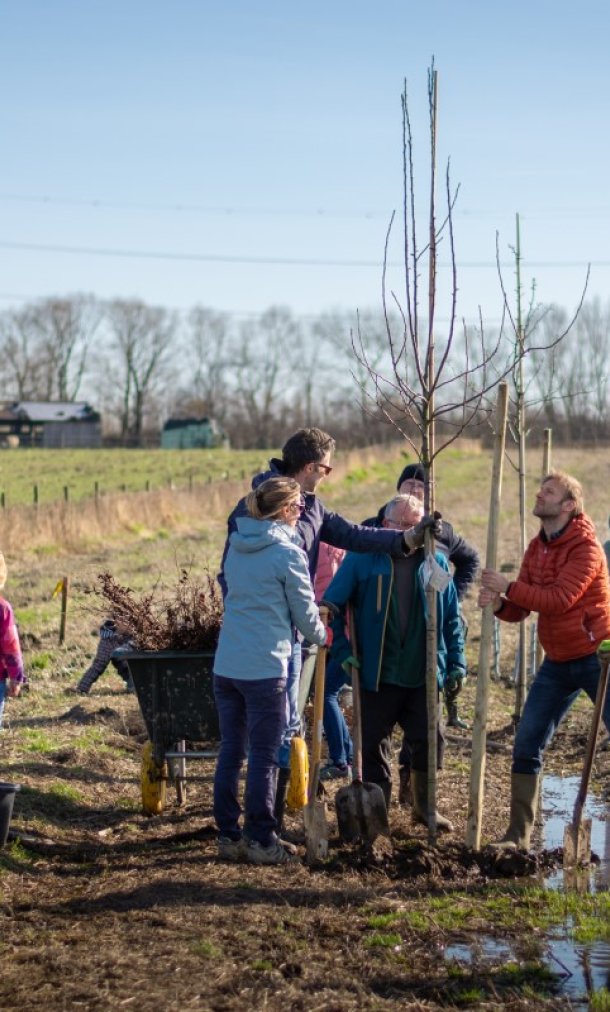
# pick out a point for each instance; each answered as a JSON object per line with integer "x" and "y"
{"x": 306, "y": 457}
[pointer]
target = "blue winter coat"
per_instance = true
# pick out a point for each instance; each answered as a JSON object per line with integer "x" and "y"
{"x": 319, "y": 524}
{"x": 269, "y": 593}
{"x": 366, "y": 582}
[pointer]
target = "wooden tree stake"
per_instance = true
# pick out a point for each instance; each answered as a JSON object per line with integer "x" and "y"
{"x": 479, "y": 730}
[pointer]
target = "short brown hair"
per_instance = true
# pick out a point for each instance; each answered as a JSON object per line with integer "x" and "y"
{"x": 571, "y": 487}
{"x": 268, "y": 498}
{"x": 306, "y": 446}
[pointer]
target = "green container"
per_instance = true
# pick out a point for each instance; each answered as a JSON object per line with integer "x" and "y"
{"x": 176, "y": 696}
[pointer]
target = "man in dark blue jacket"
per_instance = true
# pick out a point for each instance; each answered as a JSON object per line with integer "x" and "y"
{"x": 388, "y": 598}
{"x": 306, "y": 457}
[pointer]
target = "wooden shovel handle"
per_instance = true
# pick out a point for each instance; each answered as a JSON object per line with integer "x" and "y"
{"x": 318, "y": 716}
{"x": 356, "y": 702}
{"x": 592, "y": 741}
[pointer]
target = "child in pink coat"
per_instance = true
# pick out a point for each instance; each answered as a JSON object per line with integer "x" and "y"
{"x": 11, "y": 662}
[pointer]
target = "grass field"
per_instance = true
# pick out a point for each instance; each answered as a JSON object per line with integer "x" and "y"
{"x": 115, "y": 470}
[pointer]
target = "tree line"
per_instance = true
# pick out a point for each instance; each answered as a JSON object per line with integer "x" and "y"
{"x": 267, "y": 375}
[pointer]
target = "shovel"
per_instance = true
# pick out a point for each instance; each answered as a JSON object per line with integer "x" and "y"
{"x": 361, "y": 808}
{"x": 314, "y": 813}
{"x": 577, "y": 835}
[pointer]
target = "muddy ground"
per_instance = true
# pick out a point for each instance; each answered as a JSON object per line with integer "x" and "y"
{"x": 102, "y": 907}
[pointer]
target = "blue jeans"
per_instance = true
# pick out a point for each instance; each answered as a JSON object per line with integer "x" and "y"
{"x": 554, "y": 689}
{"x": 252, "y": 716}
{"x": 2, "y": 697}
{"x": 292, "y": 723}
{"x": 338, "y": 737}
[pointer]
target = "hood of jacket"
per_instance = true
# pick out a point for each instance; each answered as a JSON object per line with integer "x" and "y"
{"x": 256, "y": 535}
{"x": 275, "y": 471}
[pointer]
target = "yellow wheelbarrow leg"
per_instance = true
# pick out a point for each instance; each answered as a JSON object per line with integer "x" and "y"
{"x": 299, "y": 774}
{"x": 153, "y": 782}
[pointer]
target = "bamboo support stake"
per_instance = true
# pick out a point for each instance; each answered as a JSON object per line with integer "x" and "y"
{"x": 64, "y": 610}
{"x": 479, "y": 729}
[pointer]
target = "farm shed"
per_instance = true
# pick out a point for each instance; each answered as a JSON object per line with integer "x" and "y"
{"x": 50, "y": 424}
{"x": 192, "y": 434}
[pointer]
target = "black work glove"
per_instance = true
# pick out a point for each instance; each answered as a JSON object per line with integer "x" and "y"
{"x": 414, "y": 537}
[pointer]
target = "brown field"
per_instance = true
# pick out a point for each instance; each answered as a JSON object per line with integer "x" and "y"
{"x": 102, "y": 907}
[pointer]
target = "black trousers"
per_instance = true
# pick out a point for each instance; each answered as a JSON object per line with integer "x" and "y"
{"x": 381, "y": 711}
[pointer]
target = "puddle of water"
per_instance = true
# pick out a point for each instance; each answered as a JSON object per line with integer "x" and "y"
{"x": 480, "y": 950}
{"x": 558, "y": 797}
{"x": 588, "y": 965}
{"x": 581, "y": 969}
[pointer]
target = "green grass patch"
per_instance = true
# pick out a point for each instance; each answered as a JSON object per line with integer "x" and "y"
{"x": 382, "y": 920}
{"x": 206, "y": 949}
{"x": 586, "y": 917}
{"x": 66, "y": 792}
{"x": 600, "y": 1001}
{"x": 262, "y": 964}
{"x": 37, "y": 741}
{"x": 383, "y": 941}
{"x": 40, "y": 661}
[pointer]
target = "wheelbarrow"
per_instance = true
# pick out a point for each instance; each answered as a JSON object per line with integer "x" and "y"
{"x": 175, "y": 693}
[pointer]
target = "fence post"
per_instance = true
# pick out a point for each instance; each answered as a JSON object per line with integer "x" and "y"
{"x": 147, "y": 485}
{"x": 66, "y": 493}
{"x": 64, "y": 610}
{"x": 3, "y": 500}
{"x": 35, "y": 495}
{"x": 96, "y": 490}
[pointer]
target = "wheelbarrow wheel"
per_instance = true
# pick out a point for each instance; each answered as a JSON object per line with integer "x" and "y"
{"x": 153, "y": 782}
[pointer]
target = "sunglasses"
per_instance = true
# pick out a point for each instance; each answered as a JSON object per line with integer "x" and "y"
{"x": 296, "y": 507}
{"x": 324, "y": 467}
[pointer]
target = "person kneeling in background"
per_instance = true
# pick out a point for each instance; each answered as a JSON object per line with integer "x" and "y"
{"x": 112, "y": 641}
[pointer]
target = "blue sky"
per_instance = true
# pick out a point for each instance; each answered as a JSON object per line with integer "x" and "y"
{"x": 238, "y": 132}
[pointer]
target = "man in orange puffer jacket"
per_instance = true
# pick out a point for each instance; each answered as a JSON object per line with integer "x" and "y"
{"x": 563, "y": 577}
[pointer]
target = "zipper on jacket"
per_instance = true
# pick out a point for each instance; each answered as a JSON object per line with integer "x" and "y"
{"x": 385, "y": 617}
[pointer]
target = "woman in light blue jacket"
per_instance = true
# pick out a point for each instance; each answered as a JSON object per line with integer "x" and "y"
{"x": 269, "y": 595}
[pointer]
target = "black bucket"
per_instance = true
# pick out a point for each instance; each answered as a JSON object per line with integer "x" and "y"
{"x": 7, "y": 798}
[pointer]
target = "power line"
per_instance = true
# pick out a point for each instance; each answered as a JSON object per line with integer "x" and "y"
{"x": 179, "y": 207}
{"x": 275, "y": 260}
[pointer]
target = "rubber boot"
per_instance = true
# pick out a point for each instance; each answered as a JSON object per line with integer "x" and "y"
{"x": 524, "y": 789}
{"x": 405, "y": 794}
{"x": 419, "y": 786}
{"x": 453, "y": 717}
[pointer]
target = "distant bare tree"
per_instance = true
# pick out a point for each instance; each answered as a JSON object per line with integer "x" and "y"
{"x": 143, "y": 338}
{"x": 265, "y": 374}
{"x": 20, "y": 356}
{"x": 208, "y": 353}
{"x": 64, "y": 328}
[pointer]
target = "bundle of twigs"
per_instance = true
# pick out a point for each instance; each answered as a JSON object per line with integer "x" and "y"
{"x": 186, "y": 616}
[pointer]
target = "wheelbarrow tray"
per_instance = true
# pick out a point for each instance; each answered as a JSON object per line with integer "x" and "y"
{"x": 176, "y": 696}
